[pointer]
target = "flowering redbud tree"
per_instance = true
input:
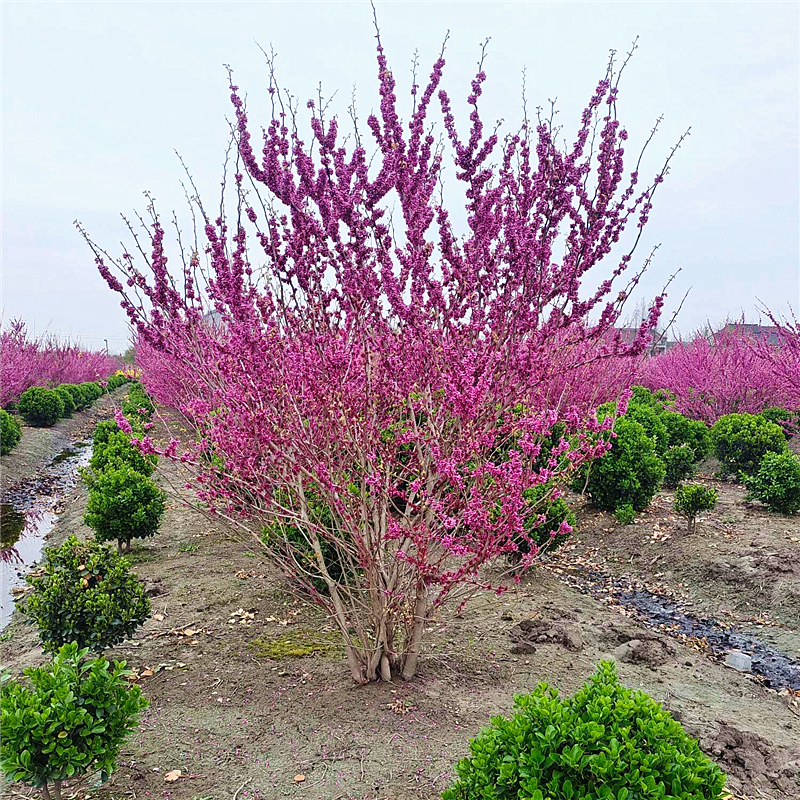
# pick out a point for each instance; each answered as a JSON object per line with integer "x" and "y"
{"x": 727, "y": 372}
{"x": 375, "y": 392}
{"x": 783, "y": 357}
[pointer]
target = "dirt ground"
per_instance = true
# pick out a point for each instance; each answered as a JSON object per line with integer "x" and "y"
{"x": 238, "y": 724}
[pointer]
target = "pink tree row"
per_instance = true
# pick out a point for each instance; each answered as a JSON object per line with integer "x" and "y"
{"x": 26, "y": 362}
{"x": 374, "y": 401}
{"x": 727, "y": 372}
{"x": 784, "y": 360}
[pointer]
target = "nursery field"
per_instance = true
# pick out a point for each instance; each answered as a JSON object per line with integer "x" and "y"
{"x": 376, "y": 494}
{"x": 250, "y": 696}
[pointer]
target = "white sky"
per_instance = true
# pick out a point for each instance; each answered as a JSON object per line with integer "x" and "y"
{"x": 95, "y": 97}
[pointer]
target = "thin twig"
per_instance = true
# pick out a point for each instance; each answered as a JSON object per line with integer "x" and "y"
{"x": 236, "y": 793}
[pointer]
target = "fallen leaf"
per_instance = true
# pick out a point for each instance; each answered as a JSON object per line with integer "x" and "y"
{"x": 173, "y": 775}
{"x": 299, "y": 778}
{"x": 191, "y": 631}
{"x": 158, "y": 617}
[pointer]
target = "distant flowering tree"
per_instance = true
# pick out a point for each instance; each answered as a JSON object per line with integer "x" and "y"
{"x": 783, "y": 360}
{"x": 728, "y": 372}
{"x": 47, "y": 361}
{"x": 373, "y": 398}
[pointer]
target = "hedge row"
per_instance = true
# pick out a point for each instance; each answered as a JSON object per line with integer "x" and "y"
{"x": 43, "y": 406}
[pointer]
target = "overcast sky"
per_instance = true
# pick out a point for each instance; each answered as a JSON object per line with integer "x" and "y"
{"x": 96, "y": 97}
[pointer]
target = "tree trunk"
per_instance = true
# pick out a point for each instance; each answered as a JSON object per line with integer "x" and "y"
{"x": 415, "y": 645}
{"x": 119, "y": 545}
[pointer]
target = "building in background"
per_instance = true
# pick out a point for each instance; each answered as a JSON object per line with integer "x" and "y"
{"x": 768, "y": 332}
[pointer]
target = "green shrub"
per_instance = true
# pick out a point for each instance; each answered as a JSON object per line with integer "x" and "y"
{"x": 117, "y": 449}
{"x": 660, "y": 399}
{"x": 649, "y": 417}
{"x": 66, "y": 397}
{"x": 70, "y": 718}
{"x": 785, "y": 419}
{"x": 10, "y": 432}
{"x": 625, "y": 515}
{"x": 290, "y": 538}
{"x": 679, "y": 462}
{"x": 607, "y": 742}
{"x": 777, "y": 483}
{"x": 691, "y": 499}
{"x": 123, "y": 505}
{"x": 79, "y": 395}
{"x": 630, "y": 472}
{"x": 682, "y": 430}
{"x": 41, "y": 407}
{"x": 741, "y": 440}
{"x": 85, "y": 594}
{"x": 93, "y": 390}
{"x": 543, "y": 532}
{"x": 137, "y": 400}
{"x": 103, "y": 430}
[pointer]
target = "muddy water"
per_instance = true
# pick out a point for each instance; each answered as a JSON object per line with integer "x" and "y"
{"x": 27, "y": 515}
{"x": 776, "y": 669}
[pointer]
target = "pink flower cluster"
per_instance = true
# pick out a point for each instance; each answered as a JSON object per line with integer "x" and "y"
{"x": 45, "y": 361}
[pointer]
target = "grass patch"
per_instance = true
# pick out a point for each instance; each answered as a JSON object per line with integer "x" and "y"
{"x": 141, "y": 555}
{"x": 298, "y": 644}
{"x": 193, "y": 547}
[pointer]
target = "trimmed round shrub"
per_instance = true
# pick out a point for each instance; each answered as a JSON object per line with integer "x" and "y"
{"x": 660, "y": 399}
{"x": 41, "y": 407}
{"x": 69, "y": 403}
{"x": 70, "y": 718}
{"x": 679, "y": 462}
{"x": 123, "y": 504}
{"x": 116, "y": 450}
{"x": 93, "y": 390}
{"x": 691, "y": 499}
{"x": 742, "y": 440}
{"x": 85, "y": 594}
{"x": 630, "y": 472}
{"x": 777, "y": 483}
{"x": 10, "y": 432}
{"x": 649, "y": 418}
{"x": 103, "y": 430}
{"x": 607, "y": 741}
{"x": 787, "y": 420}
{"x": 682, "y": 430}
{"x": 137, "y": 403}
{"x": 79, "y": 396}
{"x": 625, "y": 515}
{"x": 545, "y": 524}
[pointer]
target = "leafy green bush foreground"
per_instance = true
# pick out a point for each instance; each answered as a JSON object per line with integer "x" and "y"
{"x": 70, "y": 718}
{"x": 605, "y": 743}
{"x": 85, "y": 594}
